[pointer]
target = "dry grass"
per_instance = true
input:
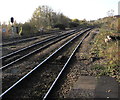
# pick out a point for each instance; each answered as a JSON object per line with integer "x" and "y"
{"x": 109, "y": 52}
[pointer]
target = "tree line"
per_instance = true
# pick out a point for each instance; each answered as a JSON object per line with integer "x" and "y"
{"x": 44, "y": 18}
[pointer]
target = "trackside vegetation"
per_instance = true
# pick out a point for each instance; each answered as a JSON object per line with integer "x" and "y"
{"x": 107, "y": 52}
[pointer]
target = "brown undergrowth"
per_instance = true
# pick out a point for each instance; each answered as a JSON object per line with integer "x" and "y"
{"x": 108, "y": 54}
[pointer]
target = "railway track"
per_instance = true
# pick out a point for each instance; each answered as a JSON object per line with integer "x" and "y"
{"x": 16, "y": 45}
{"x": 30, "y": 46}
{"x": 50, "y": 93}
{"x": 27, "y": 39}
{"x": 25, "y": 52}
{"x": 48, "y": 60}
{"x": 19, "y": 41}
{"x": 17, "y": 70}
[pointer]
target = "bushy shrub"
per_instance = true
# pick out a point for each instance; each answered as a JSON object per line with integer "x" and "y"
{"x": 27, "y": 29}
{"x": 60, "y": 26}
{"x": 73, "y": 24}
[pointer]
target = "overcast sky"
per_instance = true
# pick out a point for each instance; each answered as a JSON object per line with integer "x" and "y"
{"x": 22, "y": 10}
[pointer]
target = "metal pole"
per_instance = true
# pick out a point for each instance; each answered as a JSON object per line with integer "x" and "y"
{"x": 12, "y": 30}
{"x": 12, "y": 21}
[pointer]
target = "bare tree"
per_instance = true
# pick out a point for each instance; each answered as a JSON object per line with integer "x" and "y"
{"x": 110, "y": 13}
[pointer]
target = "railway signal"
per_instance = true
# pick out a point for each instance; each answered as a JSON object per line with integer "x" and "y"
{"x": 12, "y": 20}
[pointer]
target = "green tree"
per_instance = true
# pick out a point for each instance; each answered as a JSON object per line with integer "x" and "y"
{"x": 45, "y": 17}
{"x": 75, "y": 20}
{"x": 42, "y": 17}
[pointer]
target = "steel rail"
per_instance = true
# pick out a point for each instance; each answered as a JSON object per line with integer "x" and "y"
{"x": 19, "y": 41}
{"x": 22, "y": 40}
{"x": 30, "y": 53}
{"x": 28, "y": 47}
{"x": 25, "y": 76}
{"x": 58, "y": 77}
